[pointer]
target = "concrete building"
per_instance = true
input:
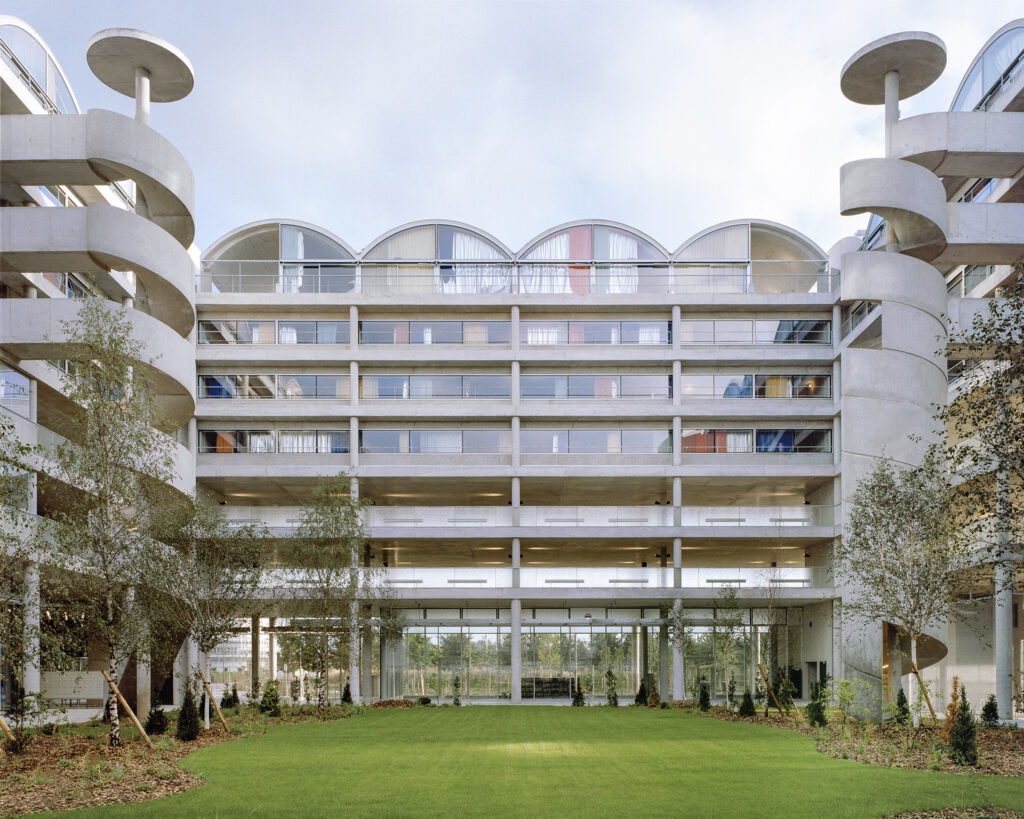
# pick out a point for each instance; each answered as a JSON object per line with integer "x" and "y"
{"x": 564, "y": 444}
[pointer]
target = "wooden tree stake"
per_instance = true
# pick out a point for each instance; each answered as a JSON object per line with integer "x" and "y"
{"x": 768, "y": 685}
{"x": 213, "y": 702}
{"x": 6, "y": 729}
{"x": 128, "y": 710}
{"x": 924, "y": 688}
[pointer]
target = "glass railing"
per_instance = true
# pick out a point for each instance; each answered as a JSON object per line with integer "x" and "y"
{"x": 712, "y": 580}
{"x": 478, "y": 278}
{"x": 616, "y": 517}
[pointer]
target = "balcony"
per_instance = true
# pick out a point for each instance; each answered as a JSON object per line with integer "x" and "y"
{"x": 531, "y": 279}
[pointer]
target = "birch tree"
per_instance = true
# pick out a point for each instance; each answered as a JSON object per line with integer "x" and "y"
{"x": 115, "y": 471}
{"x": 204, "y": 575}
{"x": 905, "y": 551}
{"x": 328, "y": 581}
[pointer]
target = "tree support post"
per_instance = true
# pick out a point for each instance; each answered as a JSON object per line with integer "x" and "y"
{"x": 212, "y": 701}
{"x": 924, "y": 688}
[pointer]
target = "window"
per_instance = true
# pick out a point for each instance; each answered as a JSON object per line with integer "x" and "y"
{"x": 236, "y": 441}
{"x": 794, "y": 440}
{"x": 236, "y": 386}
{"x": 487, "y": 386}
{"x": 793, "y": 331}
{"x": 542, "y": 441}
{"x": 296, "y": 332}
{"x": 383, "y": 332}
{"x": 14, "y": 392}
{"x": 435, "y": 386}
{"x": 319, "y": 441}
{"x": 381, "y": 441}
{"x": 384, "y": 386}
{"x": 699, "y": 441}
{"x": 332, "y": 332}
{"x": 480, "y": 441}
{"x": 733, "y": 386}
{"x": 435, "y": 332}
{"x": 236, "y": 332}
{"x": 439, "y": 441}
{"x": 647, "y": 441}
{"x": 544, "y": 386}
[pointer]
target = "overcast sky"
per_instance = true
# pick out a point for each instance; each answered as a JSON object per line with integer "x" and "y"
{"x": 517, "y": 116}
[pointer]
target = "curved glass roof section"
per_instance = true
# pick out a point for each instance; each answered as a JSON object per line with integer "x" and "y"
{"x": 23, "y": 50}
{"x": 749, "y": 241}
{"x": 593, "y": 241}
{"x": 278, "y": 241}
{"x": 436, "y": 241}
{"x": 1000, "y": 61}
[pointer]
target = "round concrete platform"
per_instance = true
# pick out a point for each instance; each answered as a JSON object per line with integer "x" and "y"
{"x": 918, "y": 56}
{"x": 115, "y": 53}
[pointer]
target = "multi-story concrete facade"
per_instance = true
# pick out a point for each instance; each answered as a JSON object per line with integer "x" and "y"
{"x": 561, "y": 445}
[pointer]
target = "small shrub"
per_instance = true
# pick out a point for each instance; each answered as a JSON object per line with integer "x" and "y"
{"x": 346, "y": 695}
{"x": 188, "y": 718}
{"x": 963, "y": 738}
{"x": 577, "y": 693}
{"x": 901, "y": 711}
{"x": 747, "y": 705}
{"x": 156, "y": 721}
{"x": 230, "y": 698}
{"x": 990, "y": 712}
{"x": 270, "y": 701}
{"x": 665, "y": 705}
{"x": 641, "y": 695}
{"x": 456, "y": 691}
{"x": 654, "y": 698}
{"x": 295, "y": 689}
{"x": 817, "y": 714}
{"x": 613, "y": 695}
{"x": 49, "y": 729}
{"x": 704, "y": 700}
{"x": 423, "y": 701}
{"x": 730, "y": 690}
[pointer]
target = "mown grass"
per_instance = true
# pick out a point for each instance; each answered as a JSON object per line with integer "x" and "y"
{"x": 535, "y": 761}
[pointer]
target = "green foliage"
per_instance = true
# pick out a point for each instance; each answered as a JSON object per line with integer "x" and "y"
{"x": 156, "y": 721}
{"x": 901, "y": 711}
{"x": 577, "y": 693}
{"x": 641, "y": 695}
{"x": 654, "y": 698}
{"x": 230, "y": 698}
{"x": 845, "y": 694}
{"x": 704, "y": 698}
{"x": 188, "y": 718}
{"x": 963, "y": 738}
{"x": 609, "y": 684}
{"x": 817, "y": 708}
{"x": 747, "y": 705}
{"x": 270, "y": 701}
{"x": 423, "y": 700}
{"x": 990, "y": 712}
{"x": 346, "y": 695}
{"x": 456, "y": 691}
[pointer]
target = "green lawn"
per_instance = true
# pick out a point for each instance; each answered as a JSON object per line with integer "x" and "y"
{"x": 555, "y": 761}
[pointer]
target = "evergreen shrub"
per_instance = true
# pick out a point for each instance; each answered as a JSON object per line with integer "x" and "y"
{"x": 990, "y": 712}
{"x": 963, "y": 736}
{"x": 270, "y": 700}
{"x": 188, "y": 718}
{"x": 747, "y": 705}
{"x": 156, "y": 721}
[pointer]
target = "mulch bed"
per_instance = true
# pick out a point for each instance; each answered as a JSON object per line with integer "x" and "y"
{"x": 393, "y": 704}
{"x": 1000, "y": 750}
{"x": 77, "y": 771}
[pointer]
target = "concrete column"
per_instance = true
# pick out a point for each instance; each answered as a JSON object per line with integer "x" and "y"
{"x": 1003, "y": 638}
{"x": 677, "y": 501}
{"x": 272, "y": 648}
{"x": 677, "y": 441}
{"x": 142, "y": 95}
{"x": 33, "y": 605}
{"x": 353, "y": 383}
{"x": 192, "y": 437}
{"x": 515, "y": 384}
{"x": 892, "y": 107}
{"x": 663, "y": 658}
{"x": 677, "y": 562}
{"x": 353, "y": 443}
{"x": 31, "y": 292}
{"x": 128, "y": 303}
{"x": 366, "y": 668}
{"x": 516, "y": 498}
{"x": 677, "y": 377}
{"x": 515, "y": 442}
{"x": 513, "y": 330}
{"x": 353, "y": 488}
{"x": 33, "y": 401}
{"x": 677, "y": 662}
{"x": 517, "y": 652}
{"x": 143, "y": 686}
{"x": 254, "y": 659}
{"x": 353, "y": 327}
{"x": 516, "y": 558}
{"x": 676, "y": 318}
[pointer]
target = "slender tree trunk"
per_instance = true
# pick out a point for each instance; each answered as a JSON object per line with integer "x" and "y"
{"x": 115, "y": 722}
{"x": 913, "y": 682}
{"x": 321, "y": 683}
{"x": 206, "y": 708}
